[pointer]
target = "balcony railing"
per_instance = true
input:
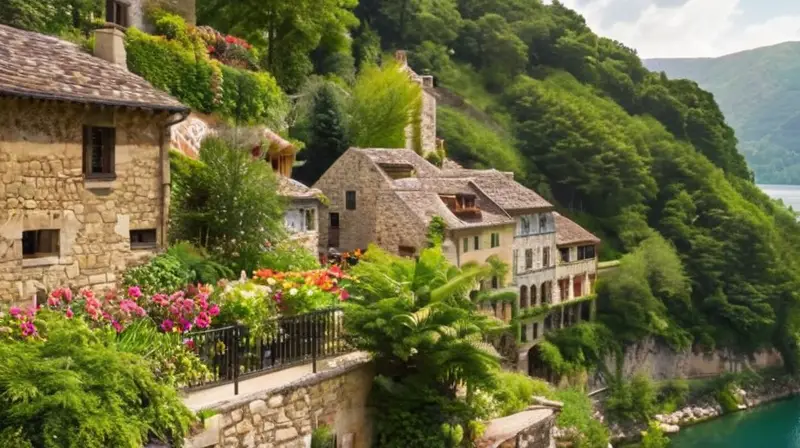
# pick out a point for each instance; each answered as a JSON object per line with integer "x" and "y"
{"x": 232, "y": 353}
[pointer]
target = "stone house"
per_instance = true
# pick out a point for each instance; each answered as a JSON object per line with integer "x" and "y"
{"x": 83, "y": 162}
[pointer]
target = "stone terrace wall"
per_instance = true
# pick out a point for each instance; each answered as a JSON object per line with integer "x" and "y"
{"x": 536, "y": 436}
{"x": 42, "y": 187}
{"x": 285, "y": 417}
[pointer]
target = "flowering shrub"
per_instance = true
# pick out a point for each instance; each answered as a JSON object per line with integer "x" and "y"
{"x": 302, "y": 292}
{"x": 249, "y": 304}
{"x": 112, "y": 311}
{"x": 184, "y": 310}
{"x": 229, "y": 50}
{"x": 18, "y": 324}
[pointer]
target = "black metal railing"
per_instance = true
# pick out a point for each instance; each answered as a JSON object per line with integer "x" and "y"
{"x": 232, "y": 353}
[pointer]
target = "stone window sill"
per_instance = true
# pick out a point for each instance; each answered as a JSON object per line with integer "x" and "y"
{"x": 101, "y": 183}
{"x": 39, "y": 261}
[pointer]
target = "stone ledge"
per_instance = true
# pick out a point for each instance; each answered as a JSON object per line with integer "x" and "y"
{"x": 354, "y": 361}
{"x": 39, "y": 262}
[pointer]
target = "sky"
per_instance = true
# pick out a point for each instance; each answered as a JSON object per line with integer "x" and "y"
{"x": 692, "y": 28}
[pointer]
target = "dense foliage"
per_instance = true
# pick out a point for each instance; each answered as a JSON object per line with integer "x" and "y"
{"x": 628, "y": 152}
{"x": 226, "y": 203}
{"x": 180, "y": 62}
{"x": 76, "y": 388}
{"x": 756, "y": 91}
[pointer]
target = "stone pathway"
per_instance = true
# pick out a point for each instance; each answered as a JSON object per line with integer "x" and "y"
{"x": 205, "y": 398}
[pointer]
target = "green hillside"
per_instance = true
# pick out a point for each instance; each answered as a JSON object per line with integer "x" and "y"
{"x": 758, "y": 90}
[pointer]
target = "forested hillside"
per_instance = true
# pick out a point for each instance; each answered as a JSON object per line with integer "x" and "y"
{"x": 758, "y": 92}
{"x": 646, "y": 162}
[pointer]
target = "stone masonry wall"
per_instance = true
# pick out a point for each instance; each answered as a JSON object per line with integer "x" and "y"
{"x": 397, "y": 226}
{"x": 285, "y": 417}
{"x": 42, "y": 187}
{"x": 352, "y": 171}
{"x": 536, "y": 436}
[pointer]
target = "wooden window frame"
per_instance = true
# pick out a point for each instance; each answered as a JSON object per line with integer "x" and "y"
{"x": 118, "y": 13}
{"x": 107, "y": 152}
{"x": 495, "y": 237}
{"x": 562, "y": 252}
{"x": 350, "y": 200}
{"x": 310, "y": 217}
{"x": 136, "y": 234}
{"x": 476, "y": 243}
{"x": 465, "y": 245}
{"x": 38, "y": 235}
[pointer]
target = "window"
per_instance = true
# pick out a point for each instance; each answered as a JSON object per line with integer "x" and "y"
{"x": 546, "y": 257}
{"x": 495, "y": 240}
{"x": 564, "y": 254}
{"x": 40, "y": 243}
{"x": 535, "y": 331}
{"x": 143, "y": 239}
{"x": 466, "y": 245}
{"x": 350, "y": 200}
{"x": 311, "y": 219}
{"x": 495, "y": 282}
{"x": 585, "y": 252}
{"x": 525, "y": 225}
{"x": 542, "y": 223}
{"x": 477, "y": 243}
{"x": 98, "y": 152}
{"x": 117, "y": 13}
{"x": 528, "y": 258}
{"x": 334, "y": 217}
{"x": 406, "y": 251}
{"x": 524, "y": 332}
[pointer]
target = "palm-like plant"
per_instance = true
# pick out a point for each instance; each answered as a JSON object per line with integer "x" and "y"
{"x": 417, "y": 318}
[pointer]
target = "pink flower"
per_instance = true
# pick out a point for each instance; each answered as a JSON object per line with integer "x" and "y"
{"x": 67, "y": 295}
{"x": 185, "y": 325}
{"x": 28, "y": 329}
{"x": 344, "y": 295}
{"x": 203, "y": 320}
{"x": 117, "y": 326}
{"x": 134, "y": 292}
{"x": 189, "y": 343}
{"x": 161, "y": 300}
{"x": 53, "y": 301}
{"x": 214, "y": 310}
{"x": 167, "y": 325}
{"x": 69, "y": 313}
{"x": 15, "y": 311}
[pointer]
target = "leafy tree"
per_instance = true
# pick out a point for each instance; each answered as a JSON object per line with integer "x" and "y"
{"x": 286, "y": 31}
{"x": 50, "y": 16}
{"x": 226, "y": 203}
{"x": 325, "y": 131}
{"x": 381, "y": 107}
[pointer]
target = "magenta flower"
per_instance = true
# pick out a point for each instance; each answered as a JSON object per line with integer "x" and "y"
{"x": 28, "y": 329}
{"x": 167, "y": 325}
{"x": 185, "y": 325}
{"x": 135, "y": 292}
{"x": 161, "y": 299}
{"x": 214, "y": 310}
{"x": 203, "y": 321}
{"x": 189, "y": 343}
{"x": 117, "y": 326}
{"x": 69, "y": 313}
{"x": 15, "y": 311}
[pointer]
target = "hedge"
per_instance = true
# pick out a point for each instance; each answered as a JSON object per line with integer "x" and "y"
{"x": 183, "y": 68}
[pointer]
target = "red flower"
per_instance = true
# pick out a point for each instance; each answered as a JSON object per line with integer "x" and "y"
{"x": 211, "y": 49}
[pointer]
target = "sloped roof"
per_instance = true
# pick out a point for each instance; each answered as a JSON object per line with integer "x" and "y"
{"x": 569, "y": 233}
{"x": 290, "y": 188}
{"x": 422, "y": 167}
{"x": 502, "y": 188}
{"x": 427, "y": 204}
{"x": 33, "y": 65}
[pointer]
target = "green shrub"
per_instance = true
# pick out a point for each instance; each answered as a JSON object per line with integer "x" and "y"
{"x": 514, "y": 391}
{"x": 633, "y": 400}
{"x": 672, "y": 395}
{"x": 163, "y": 274}
{"x": 322, "y": 437}
{"x": 577, "y": 414}
{"x": 172, "y": 26}
{"x": 654, "y": 437}
{"x": 202, "y": 268}
{"x": 76, "y": 389}
{"x": 250, "y": 98}
{"x": 288, "y": 256}
{"x": 727, "y": 399}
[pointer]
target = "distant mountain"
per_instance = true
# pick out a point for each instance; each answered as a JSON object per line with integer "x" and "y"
{"x": 759, "y": 93}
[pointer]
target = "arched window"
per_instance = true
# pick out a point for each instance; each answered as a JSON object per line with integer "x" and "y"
{"x": 543, "y": 295}
{"x": 533, "y": 295}
{"x": 523, "y": 297}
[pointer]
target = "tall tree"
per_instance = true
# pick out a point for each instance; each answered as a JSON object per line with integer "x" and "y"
{"x": 326, "y": 137}
{"x": 287, "y": 31}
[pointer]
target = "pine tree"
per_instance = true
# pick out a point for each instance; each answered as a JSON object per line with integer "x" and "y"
{"x": 327, "y": 138}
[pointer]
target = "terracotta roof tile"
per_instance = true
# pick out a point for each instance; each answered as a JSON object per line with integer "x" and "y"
{"x": 38, "y": 66}
{"x": 570, "y": 233}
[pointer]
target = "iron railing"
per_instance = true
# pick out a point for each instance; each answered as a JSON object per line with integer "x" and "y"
{"x": 232, "y": 353}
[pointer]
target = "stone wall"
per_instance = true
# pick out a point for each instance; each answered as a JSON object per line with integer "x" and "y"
{"x": 137, "y": 11}
{"x": 397, "y": 226}
{"x": 285, "y": 417}
{"x": 661, "y": 362}
{"x": 536, "y": 436}
{"x": 531, "y": 428}
{"x": 43, "y": 187}
{"x": 353, "y": 171}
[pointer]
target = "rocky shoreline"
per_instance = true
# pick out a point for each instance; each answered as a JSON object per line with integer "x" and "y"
{"x": 707, "y": 408}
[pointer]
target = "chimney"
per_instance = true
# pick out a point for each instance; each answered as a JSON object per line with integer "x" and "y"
{"x": 109, "y": 44}
{"x": 401, "y": 58}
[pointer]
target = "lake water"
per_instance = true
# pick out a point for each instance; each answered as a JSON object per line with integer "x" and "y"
{"x": 775, "y": 425}
{"x": 790, "y": 194}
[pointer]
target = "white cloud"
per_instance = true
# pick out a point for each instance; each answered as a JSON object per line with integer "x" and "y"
{"x": 698, "y": 28}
